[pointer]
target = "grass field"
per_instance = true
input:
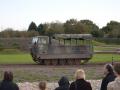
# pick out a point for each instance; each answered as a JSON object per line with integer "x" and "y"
{"x": 106, "y": 47}
{"x": 26, "y": 58}
{"x": 14, "y": 56}
{"x": 36, "y": 73}
{"x": 104, "y": 58}
{"x": 16, "y": 59}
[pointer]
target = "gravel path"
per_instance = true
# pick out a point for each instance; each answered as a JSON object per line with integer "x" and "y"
{"x": 51, "y": 86}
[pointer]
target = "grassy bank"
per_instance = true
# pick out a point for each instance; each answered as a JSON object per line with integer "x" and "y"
{"x": 16, "y": 59}
{"x": 14, "y": 56}
{"x": 27, "y": 59}
{"x": 105, "y": 58}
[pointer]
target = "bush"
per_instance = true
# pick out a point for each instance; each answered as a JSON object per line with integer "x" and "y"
{"x": 98, "y": 33}
{"x": 15, "y": 45}
{"x": 108, "y": 40}
{"x": 1, "y": 47}
{"x": 11, "y": 34}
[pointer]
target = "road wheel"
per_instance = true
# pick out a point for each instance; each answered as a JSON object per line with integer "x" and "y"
{"x": 77, "y": 62}
{"x": 47, "y": 62}
{"x": 62, "y": 62}
{"x": 70, "y": 61}
{"x": 54, "y": 62}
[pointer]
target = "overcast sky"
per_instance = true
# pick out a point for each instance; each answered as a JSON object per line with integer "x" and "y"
{"x": 18, "y": 14}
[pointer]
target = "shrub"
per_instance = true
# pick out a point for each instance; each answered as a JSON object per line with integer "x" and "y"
{"x": 15, "y": 45}
{"x": 108, "y": 40}
{"x": 1, "y": 47}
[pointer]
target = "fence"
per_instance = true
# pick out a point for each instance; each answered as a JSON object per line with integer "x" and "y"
{"x": 25, "y": 43}
{"x": 108, "y": 40}
{"x": 19, "y": 43}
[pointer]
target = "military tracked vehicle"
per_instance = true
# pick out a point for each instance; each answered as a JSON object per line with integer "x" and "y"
{"x": 62, "y": 49}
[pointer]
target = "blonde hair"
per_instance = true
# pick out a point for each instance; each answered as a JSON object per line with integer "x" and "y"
{"x": 80, "y": 74}
{"x": 42, "y": 85}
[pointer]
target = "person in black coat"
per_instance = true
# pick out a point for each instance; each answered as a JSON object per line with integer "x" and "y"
{"x": 63, "y": 84}
{"x": 109, "y": 76}
{"x": 7, "y": 83}
{"x": 80, "y": 83}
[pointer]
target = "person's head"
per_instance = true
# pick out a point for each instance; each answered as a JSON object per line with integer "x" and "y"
{"x": 108, "y": 69}
{"x": 42, "y": 85}
{"x": 63, "y": 81}
{"x": 117, "y": 68}
{"x": 8, "y": 76}
{"x": 80, "y": 74}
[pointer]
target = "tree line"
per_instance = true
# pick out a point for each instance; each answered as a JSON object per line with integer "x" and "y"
{"x": 72, "y": 26}
{"x": 10, "y": 33}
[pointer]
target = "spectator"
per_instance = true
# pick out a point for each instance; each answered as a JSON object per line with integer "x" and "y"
{"x": 80, "y": 83}
{"x": 115, "y": 85}
{"x": 7, "y": 83}
{"x": 63, "y": 84}
{"x": 109, "y": 76}
{"x": 42, "y": 85}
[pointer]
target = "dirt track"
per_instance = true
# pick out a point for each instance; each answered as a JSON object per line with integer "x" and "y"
{"x": 29, "y": 72}
{"x": 30, "y": 75}
{"x": 47, "y": 68}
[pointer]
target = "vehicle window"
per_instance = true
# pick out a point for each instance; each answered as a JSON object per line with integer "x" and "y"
{"x": 35, "y": 39}
{"x": 42, "y": 41}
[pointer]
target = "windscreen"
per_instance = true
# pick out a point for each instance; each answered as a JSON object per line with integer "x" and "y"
{"x": 35, "y": 40}
{"x": 43, "y": 44}
{"x": 42, "y": 41}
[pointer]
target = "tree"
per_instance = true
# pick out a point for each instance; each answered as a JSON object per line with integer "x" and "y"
{"x": 73, "y": 26}
{"x": 106, "y": 29}
{"x": 69, "y": 26}
{"x": 97, "y": 33}
{"x": 8, "y": 32}
{"x": 32, "y": 27}
{"x": 89, "y": 25}
{"x": 57, "y": 27}
{"x": 112, "y": 29}
{"x": 80, "y": 28}
{"x": 53, "y": 28}
{"x": 92, "y": 28}
{"x": 40, "y": 29}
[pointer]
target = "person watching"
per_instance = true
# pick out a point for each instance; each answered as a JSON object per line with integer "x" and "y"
{"x": 80, "y": 83}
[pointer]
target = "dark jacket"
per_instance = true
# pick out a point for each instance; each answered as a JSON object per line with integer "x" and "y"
{"x": 108, "y": 78}
{"x": 80, "y": 84}
{"x": 8, "y": 85}
{"x": 63, "y": 84}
